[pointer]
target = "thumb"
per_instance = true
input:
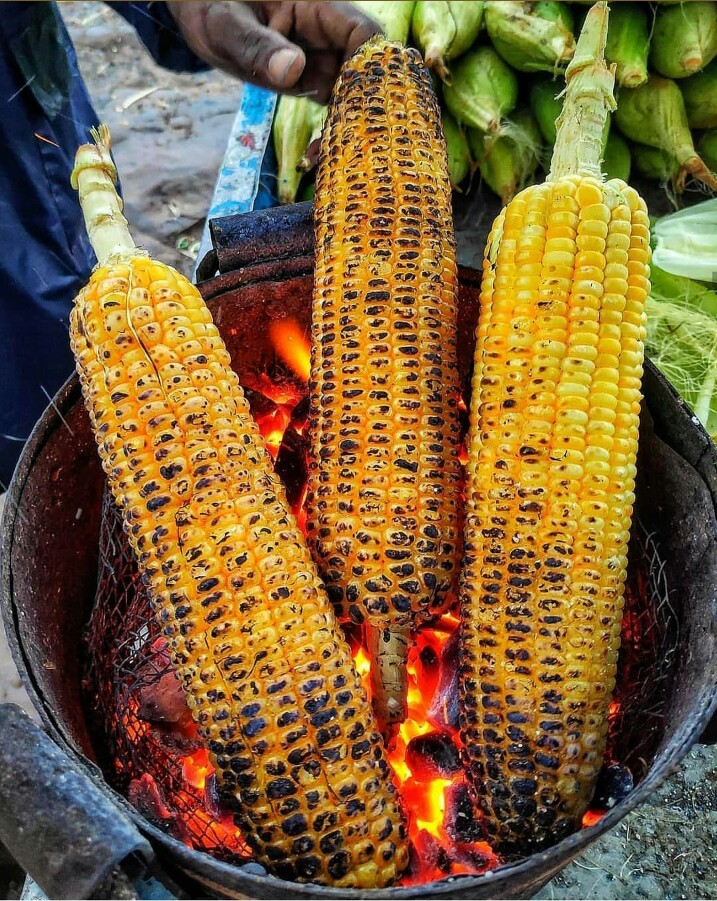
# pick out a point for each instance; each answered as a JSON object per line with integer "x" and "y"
{"x": 245, "y": 47}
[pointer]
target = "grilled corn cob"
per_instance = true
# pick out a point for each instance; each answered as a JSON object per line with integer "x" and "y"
{"x": 384, "y": 470}
{"x": 268, "y": 676}
{"x": 552, "y": 448}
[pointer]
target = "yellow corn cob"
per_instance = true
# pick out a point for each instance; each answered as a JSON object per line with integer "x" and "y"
{"x": 384, "y": 470}
{"x": 552, "y": 447}
{"x": 267, "y": 673}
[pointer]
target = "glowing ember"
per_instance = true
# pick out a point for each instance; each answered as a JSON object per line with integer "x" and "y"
{"x": 272, "y": 428}
{"x": 292, "y": 346}
{"x": 195, "y": 769}
{"x": 592, "y": 817}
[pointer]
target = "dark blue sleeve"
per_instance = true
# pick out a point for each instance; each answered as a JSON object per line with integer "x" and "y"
{"x": 158, "y": 31}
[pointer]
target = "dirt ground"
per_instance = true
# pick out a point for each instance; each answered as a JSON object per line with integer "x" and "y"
{"x": 170, "y": 133}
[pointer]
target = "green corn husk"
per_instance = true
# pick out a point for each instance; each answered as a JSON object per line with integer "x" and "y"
{"x": 684, "y": 39}
{"x": 444, "y": 29}
{"x": 628, "y": 43}
{"x": 655, "y": 114}
{"x": 546, "y": 106}
{"x": 393, "y": 17}
{"x": 707, "y": 148}
{"x": 292, "y": 130}
{"x": 700, "y": 95}
{"x": 508, "y": 163}
{"x": 317, "y": 117}
{"x": 682, "y": 340}
{"x": 532, "y": 37}
{"x": 459, "y": 156}
{"x": 308, "y": 191}
{"x": 616, "y": 161}
{"x": 653, "y": 163}
{"x": 483, "y": 90}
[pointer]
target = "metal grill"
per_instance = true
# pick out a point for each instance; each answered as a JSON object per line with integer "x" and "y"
{"x": 144, "y": 734}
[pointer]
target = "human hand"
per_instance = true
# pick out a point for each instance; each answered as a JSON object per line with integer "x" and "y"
{"x": 289, "y": 47}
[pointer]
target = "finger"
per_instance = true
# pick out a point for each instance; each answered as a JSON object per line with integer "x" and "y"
{"x": 317, "y": 79}
{"x": 250, "y": 50}
{"x": 346, "y": 26}
{"x": 323, "y": 26}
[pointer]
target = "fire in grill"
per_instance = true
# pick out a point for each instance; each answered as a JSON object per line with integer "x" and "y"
{"x": 149, "y": 744}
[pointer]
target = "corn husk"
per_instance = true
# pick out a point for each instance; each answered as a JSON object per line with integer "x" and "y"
{"x": 653, "y": 163}
{"x": 628, "y": 43}
{"x": 707, "y": 148}
{"x": 508, "y": 163}
{"x": 317, "y": 117}
{"x": 681, "y": 340}
{"x": 546, "y": 106}
{"x": 684, "y": 39}
{"x": 531, "y": 37}
{"x": 393, "y": 17}
{"x": 444, "y": 29}
{"x": 483, "y": 90}
{"x": 459, "y": 156}
{"x": 700, "y": 95}
{"x": 292, "y": 130}
{"x": 654, "y": 114}
{"x": 616, "y": 161}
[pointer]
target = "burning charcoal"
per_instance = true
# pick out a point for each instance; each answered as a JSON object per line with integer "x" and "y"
{"x": 144, "y": 796}
{"x": 443, "y": 711}
{"x": 614, "y": 784}
{"x": 173, "y": 742}
{"x": 259, "y": 403}
{"x": 290, "y": 464}
{"x": 461, "y": 820}
{"x": 429, "y": 661}
{"x": 433, "y": 756}
{"x": 428, "y": 859}
{"x": 216, "y": 806}
{"x": 300, "y": 414}
{"x": 163, "y": 701}
{"x": 427, "y": 668}
{"x": 474, "y": 859}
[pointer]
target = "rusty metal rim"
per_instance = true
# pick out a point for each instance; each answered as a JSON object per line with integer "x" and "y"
{"x": 530, "y": 871}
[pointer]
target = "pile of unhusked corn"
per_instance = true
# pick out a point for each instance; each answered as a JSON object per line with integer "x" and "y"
{"x": 550, "y": 477}
{"x": 498, "y": 67}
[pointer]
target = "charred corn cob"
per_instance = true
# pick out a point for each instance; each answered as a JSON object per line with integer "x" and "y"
{"x": 552, "y": 448}
{"x": 384, "y": 470}
{"x": 268, "y": 676}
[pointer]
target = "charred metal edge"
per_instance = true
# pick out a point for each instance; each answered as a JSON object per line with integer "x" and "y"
{"x": 72, "y": 855}
{"x": 262, "y": 236}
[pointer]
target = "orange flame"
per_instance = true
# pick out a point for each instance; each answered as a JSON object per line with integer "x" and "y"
{"x": 292, "y": 346}
{"x": 272, "y": 427}
{"x": 195, "y": 768}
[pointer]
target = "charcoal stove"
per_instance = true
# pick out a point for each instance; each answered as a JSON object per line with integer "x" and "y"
{"x": 50, "y": 565}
